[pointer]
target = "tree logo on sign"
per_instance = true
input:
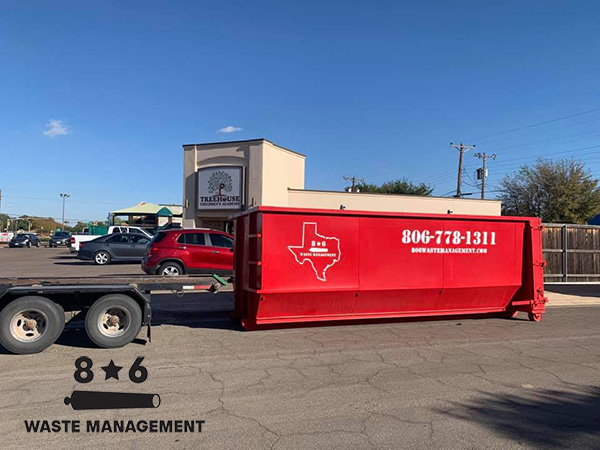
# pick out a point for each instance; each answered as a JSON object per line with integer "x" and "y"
{"x": 220, "y": 181}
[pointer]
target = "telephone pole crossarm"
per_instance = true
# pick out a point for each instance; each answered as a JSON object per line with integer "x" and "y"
{"x": 354, "y": 180}
{"x": 462, "y": 149}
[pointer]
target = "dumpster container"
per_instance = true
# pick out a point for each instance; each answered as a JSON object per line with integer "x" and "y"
{"x": 308, "y": 265}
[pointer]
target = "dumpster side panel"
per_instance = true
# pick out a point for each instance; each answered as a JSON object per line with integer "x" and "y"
{"x": 488, "y": 278}
{"x": 311, "y": 266}
{"x": 307, "y": 253}
{"x": 434, "y": 265}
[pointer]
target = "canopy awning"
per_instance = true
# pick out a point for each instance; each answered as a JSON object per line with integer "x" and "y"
{"x": 143, "y": 209}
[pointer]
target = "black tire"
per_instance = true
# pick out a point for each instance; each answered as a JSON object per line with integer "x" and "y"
{"x": 101, "y": 258}
{"x": 38, "y": 244}
{"x": 122, "y": 333}
{"x": 50, "y": 245}
{"x": 28, "y": 244}
{"x": 15, "y": 338}
{"x": 170, "y": 269}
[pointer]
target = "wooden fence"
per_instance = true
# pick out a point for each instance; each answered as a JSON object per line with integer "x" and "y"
{"x": 572, "y": 252}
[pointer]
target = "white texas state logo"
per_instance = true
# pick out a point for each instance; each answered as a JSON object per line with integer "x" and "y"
{"x": 321, "y": 252}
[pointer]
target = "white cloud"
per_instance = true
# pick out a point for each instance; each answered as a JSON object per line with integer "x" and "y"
{"x": 229, "y": 129}
{"x": 56, "y": 128}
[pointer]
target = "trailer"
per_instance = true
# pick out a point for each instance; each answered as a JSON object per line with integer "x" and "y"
{"x": 33, "y": 311}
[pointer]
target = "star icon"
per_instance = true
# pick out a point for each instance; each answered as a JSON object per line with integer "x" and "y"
{"x": 112, "y": 370}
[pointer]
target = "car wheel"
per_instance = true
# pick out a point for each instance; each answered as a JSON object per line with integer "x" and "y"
{"x": 102, "y": 258}
{"x": 28, "y": 244}
{"x": 170, "y": 269}
{"x": 38, "y": 244}
{"x": 30, "y": 324}
{"x": 113, "y": 321}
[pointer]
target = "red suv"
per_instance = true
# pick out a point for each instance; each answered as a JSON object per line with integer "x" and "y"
{"x": 181, "y": 251}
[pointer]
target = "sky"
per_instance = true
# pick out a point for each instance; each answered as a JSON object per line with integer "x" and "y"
{"x": 97, "y": 98}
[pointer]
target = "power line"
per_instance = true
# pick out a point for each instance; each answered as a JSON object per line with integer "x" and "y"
{"x": 539, "y": 124}
{"x": 519, "y": 136}
{"x": 550, "y": 142}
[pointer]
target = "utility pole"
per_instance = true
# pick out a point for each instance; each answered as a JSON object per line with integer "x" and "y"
{"x": 64, "y": 197}
{"x": 484, "y": 158}
{"x": 354, "y": 180}
{"x": 462, "y": 149}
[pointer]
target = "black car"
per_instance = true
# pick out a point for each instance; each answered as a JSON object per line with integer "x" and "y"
{"x": 114, "y": 247}
{"x": 60, "y": 238}
{"x": 25, "y": 240}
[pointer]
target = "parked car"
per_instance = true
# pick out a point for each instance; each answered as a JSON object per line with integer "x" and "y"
{"x": 114, "y": 247}
{"x": 60, "y": 238}
{"x": 77, "y": 239}
{"x": 25, "y": 240}
{"x": 189, "y": 251}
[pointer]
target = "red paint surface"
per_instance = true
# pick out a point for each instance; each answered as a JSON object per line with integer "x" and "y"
{"x": 297, "y": 265}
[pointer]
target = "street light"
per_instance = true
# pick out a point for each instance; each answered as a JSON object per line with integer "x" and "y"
{"x": 64, "y": 197}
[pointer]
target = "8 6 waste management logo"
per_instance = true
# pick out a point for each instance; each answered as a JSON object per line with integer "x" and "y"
{"x": 107, "y": 400}
{"x": 317, "y": 251}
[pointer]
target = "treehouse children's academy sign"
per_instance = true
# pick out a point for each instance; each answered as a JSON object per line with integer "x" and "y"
{"x": 220, "y": 188}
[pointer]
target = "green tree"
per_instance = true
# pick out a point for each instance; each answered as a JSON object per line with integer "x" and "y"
{"x": 561, "y": 191}
{"x": 400, "y": 186}
{"x": 78, "y": 227}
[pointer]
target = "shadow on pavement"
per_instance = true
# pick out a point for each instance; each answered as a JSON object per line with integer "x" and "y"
{"x": 581, "y": 290}
{"x": 72, "y": 256}
{"x": 91, "y": 263}
{"x": 77, "y": 337}
{"x": 543, "y": 418}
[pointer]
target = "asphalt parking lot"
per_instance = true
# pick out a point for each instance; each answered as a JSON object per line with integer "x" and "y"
{"x": 460, "y": 383}
{"x": 56, "y": 262}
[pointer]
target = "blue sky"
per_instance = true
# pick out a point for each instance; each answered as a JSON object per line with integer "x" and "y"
{"x": 373, "y": 89}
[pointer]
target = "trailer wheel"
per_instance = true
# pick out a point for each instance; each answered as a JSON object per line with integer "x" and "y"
{"x": 102, "y": 258}
{"x": 170, "y": 269}
{"x": 535, "y": 317}
{"x": 114, "y": 320}
{"x": 30, "y": 324}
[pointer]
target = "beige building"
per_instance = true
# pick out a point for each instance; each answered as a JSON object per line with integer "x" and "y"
{"x": 223, "y": 178}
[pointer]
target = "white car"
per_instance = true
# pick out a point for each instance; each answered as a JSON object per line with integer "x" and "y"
{"x": 79, "y": 238}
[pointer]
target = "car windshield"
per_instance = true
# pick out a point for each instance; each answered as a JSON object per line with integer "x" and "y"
{"x": 61, "y": 234}
{"x": 20, "y": 237}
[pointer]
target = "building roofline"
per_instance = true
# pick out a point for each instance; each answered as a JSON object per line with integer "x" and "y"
{"x": 244, "y": 142}
{"x": 424, "y": 197}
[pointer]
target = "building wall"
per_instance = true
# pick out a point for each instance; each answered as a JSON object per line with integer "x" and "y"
{"x": 392, "y": 203}
{"x": 200, "y": 156}
{"x": 281, "y": 170}
{"x": 269, "y": 171}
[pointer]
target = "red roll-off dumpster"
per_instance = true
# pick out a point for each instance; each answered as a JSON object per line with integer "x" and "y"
{"x": 307, "y": 265}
